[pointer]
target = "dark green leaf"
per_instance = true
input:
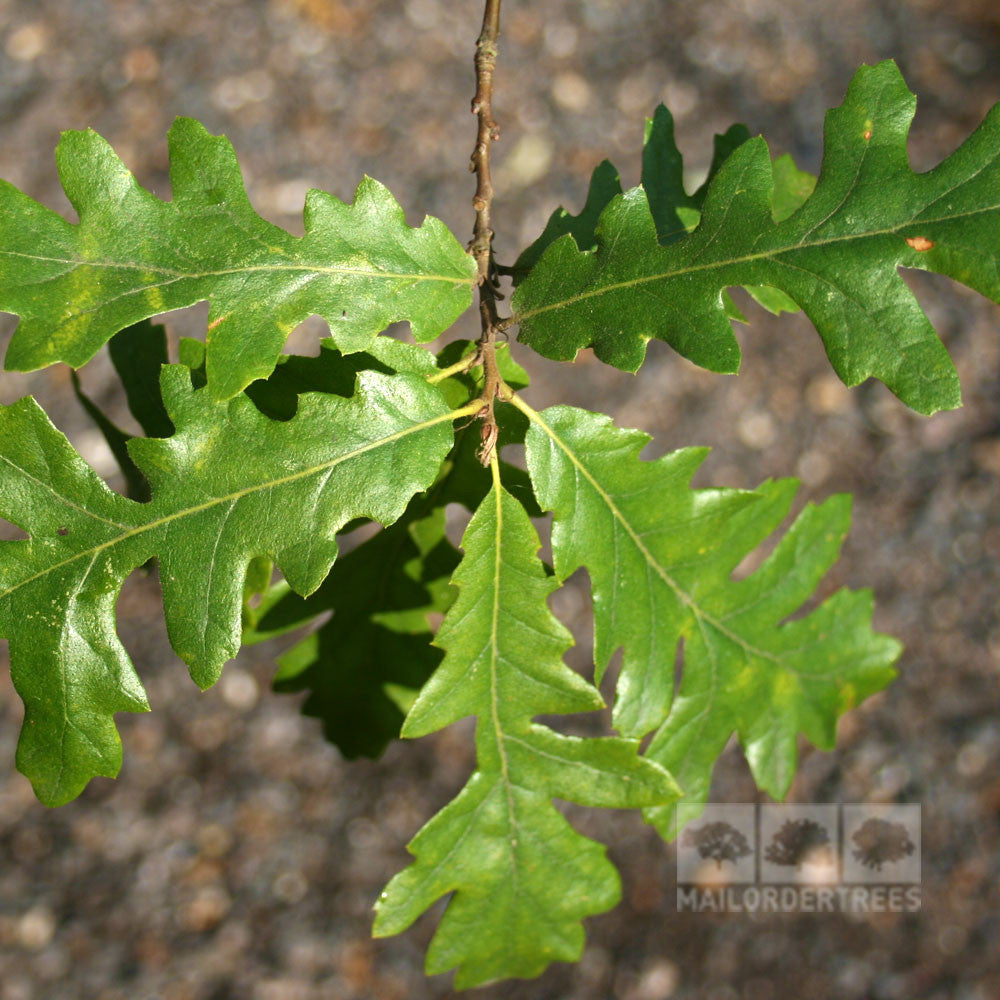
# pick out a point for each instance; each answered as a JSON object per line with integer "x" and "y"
{"x": 792, "y": 187}
{"x": 378, "y": 640}
{"x": 135, "y": 482}
{"x": 837, "y": 256}
{"x": 722, "y": 147}
{"x": 673, "y": 208}
{"x": 137, "y": 353}
{"x": 674, "y": 211}
{"x": 604, "y": 185}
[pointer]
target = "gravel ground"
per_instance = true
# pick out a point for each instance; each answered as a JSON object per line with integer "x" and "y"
{"x": 238, "y": 855}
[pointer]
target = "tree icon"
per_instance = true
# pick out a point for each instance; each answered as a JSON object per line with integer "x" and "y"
{"x": 879, "y": 841}
{"x": 718, "y": 841}
{"x": 800, "y": 841}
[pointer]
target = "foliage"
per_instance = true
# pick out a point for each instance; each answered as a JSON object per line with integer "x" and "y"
{"x": 660, "y": 558}
{"x": 522, "y": 876}
{"x": 836, "y": 256}
{"x": 253, "y": 464}
{"x": 132, "y": 255}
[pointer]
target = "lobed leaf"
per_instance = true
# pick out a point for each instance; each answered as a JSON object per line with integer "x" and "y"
{"x": 229, "y": 485}
{"x": 522, "y": 878}
{"x": 131, "y": 256}
{"x": 376, "y": 648}
{"x": 364, "y": 665}
{"x": 661, "y": 557}
{"x": 836, "y": 256}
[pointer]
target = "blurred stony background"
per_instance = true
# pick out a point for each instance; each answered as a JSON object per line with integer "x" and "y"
{"x": 237, "y": 857}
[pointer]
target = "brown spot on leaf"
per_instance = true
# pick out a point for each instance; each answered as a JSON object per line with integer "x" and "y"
{"x": 919, "y": 243}
{"x": 215, "y": 322}
{"x": 868, "y": 134}
{"x": 62, "y": 531}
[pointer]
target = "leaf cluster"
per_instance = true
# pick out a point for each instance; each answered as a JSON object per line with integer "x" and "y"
{"x": 255, "y": 468}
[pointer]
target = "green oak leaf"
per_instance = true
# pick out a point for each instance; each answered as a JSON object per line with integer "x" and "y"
{"x": 661, "y": 557}
{"x": 674, "y": 210}
{"x": 792, "y": 187}
{"x": 228, "y": 486}
{"x": 676, "y": 213}
{"x": 662, "y": 179}
{"x": 378, "y": 640}
{"x": 522, "y": 877}
{"x": 131, "y": 256}
{"x": 837, "y": 256}
{"x": 722, "y": 146}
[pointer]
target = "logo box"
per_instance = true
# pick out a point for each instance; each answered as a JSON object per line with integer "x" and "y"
{"x": 882, "y": 844}
{"x": 719, "y": 847}
{"x": 803, "y": 844}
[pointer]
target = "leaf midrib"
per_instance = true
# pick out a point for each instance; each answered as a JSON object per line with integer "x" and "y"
{"x": 238, "y": 495}
{"x": 746, "y": 258}
{"x": 176, "y": 274}
{"x": 494, "y": 656}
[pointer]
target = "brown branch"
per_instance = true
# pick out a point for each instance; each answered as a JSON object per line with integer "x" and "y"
{"x": 481, "y": 247}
